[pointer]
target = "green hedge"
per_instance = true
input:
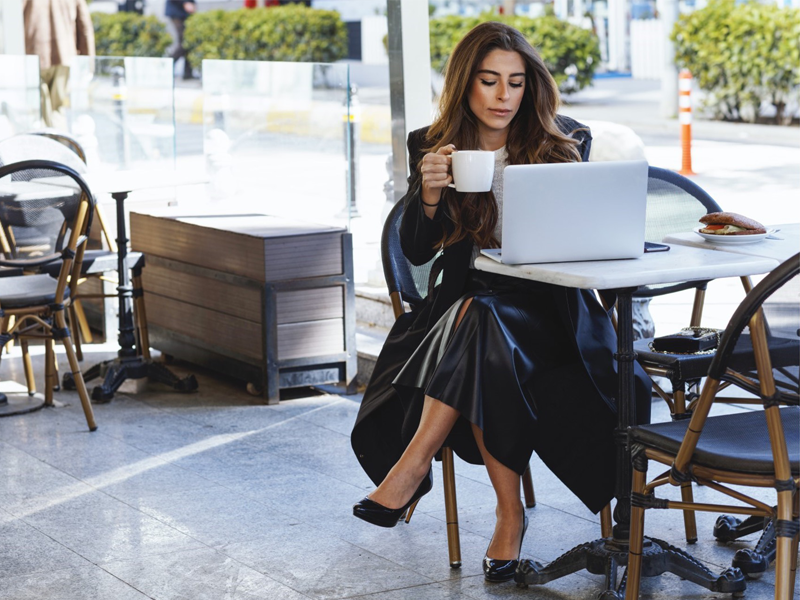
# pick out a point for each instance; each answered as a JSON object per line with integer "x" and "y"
{"x": 283, "y": 33}
{"x": 560, "y": 44}
{"x": 129, "y": 34}
{"x": 742, "y": 55}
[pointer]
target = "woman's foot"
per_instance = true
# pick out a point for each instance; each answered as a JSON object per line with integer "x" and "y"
{"x": 398, "y": 487}
{"x": 502, "y": 556}
{"x": 376, "y": 513}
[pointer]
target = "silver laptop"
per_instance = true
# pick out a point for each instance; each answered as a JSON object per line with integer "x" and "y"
{"x": 572, "y": 211}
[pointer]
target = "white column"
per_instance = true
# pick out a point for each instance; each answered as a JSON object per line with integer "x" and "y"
{"x": 409, "y": 78}
{"x": 668, "y": 11}
{"x": 12, "y": 31}
{"x": 617, "y": 35}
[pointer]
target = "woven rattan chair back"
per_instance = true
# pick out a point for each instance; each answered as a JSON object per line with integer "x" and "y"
{"x": 33, "y": 306}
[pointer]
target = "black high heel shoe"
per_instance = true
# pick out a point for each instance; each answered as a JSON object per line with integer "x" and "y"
{"x": 498, "y": 571}
{"x": 377, "y": 514}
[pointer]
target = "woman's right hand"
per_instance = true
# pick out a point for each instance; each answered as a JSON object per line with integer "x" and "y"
{"x": 435, "y": 169}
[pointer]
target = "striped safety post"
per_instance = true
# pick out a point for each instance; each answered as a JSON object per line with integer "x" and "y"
{"x": 685, "y": 118}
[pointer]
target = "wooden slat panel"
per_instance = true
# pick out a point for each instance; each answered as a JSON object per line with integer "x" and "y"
{"x": 298, "y": 340}
{"x": 303, "y": 256}
{"x": 212, "y": 248}
{"x": 248, "y": 250}
{"x": 310, "y": 304}
{"x": 213, "y": 327}
{"x": 201, "y": 291}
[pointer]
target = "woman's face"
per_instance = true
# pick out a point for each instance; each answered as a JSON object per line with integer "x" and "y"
{"x": 496, "y": 91}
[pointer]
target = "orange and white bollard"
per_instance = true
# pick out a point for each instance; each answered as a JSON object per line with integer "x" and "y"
{"x": 685, "y": 119}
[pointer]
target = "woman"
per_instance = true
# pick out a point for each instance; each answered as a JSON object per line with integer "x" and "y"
{"x": 493, "y": 366}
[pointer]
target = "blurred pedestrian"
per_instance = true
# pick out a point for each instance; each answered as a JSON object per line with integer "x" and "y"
{"x": 178, "y": 11}
{"x": 56, "y": 31}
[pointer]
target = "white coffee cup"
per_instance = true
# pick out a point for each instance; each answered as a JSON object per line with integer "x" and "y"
{"x": 473, "y": 170}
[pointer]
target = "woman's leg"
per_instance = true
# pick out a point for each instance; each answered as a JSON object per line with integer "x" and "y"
{"x": 436, "y": 422}
{"x": 402, "y": 481}
{"x": 508, "y": 529}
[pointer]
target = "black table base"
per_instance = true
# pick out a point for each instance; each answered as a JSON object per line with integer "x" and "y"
{"x": 114, "y": 373}
{"x": 129, "y": 363}
{"x": 752, "y": 561}
{"x": 606, "y": 556}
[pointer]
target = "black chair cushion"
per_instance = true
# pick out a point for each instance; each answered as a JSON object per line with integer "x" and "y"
{"x": 784, "y": 352}
{"x": 28, "y": 290}
{"x": 737, "y": 442}
{"x": 98, "y": 261}
{"x": 11, "y": 271}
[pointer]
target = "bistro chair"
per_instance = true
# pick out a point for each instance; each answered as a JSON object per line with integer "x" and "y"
{"x": 675, "y": 204}
{"x": 409, "y": 284}
{"x": 34, "y": 306}
{"x": 754, "y": 448}
{"x": 99, "y": 264}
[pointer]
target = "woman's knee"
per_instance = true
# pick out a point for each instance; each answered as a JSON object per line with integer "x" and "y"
{"x": 462, "y": 311}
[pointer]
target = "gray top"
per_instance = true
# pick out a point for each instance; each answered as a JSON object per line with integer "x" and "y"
{"x": 500, "y": 162}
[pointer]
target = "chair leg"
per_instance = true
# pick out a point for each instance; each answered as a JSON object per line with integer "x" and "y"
{"x": 50, "y": 376}
{"x": 689, "y": 519}
{"x": 140, "y": 315}
{"x": 795, "y": 542}
{"x": 636, "y": 540}
{"x": 83, "y": 322}
{"x": 74, "y": 327}
{"x": 27, "y": 364}
{"x": 606, "y": 523}
{"x": 451, "y": 508}
{"x": 786, "y": 549}
{"x": 527, "y": 488}
{"x": 80, "y": 385}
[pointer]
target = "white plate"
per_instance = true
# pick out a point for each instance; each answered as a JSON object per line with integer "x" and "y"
{"x": 733, "y": 239}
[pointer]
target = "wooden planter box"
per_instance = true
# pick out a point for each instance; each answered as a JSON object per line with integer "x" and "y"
{"x": 264, "y": 299}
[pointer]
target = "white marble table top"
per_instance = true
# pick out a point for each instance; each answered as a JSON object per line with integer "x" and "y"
{"x": 121, "y": 182}
{"x": 780, "y": 250}
{"x": 680, "y": 263}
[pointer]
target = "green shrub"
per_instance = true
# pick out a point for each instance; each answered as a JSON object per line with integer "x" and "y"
{"x": 129, "y": 34}
{"x": 741, "y": 55}
{"x": 283, "y": 33}
{"x": 571, "y": 53}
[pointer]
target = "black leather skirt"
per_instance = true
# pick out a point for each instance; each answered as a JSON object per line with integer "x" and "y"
{"x": 513, "y": 369}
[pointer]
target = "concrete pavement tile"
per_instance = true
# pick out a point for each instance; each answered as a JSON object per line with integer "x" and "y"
{"x": 571, "y": 587}
{"x": 321, "y": 565}
{"x": 101, "y": 528}
{"x": 24, "y": 550}
{"x": 420, "y": 545}
{"x": 202, "y": 574}
{"x": 431, "y": 591}
{"x": 214, "y": 516}
{"x": 85, "y": 583}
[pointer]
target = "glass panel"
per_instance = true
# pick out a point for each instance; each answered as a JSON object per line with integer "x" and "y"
{"x": 19, "y": 94}
{"x": 122, "y": 111}
{"x": 275, "y": 138}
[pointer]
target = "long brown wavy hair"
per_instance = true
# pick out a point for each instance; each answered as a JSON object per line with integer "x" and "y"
{"x": 533, "y": 135}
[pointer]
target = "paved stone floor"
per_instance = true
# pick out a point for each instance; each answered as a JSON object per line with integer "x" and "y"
{"x": 213, "y": 496}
